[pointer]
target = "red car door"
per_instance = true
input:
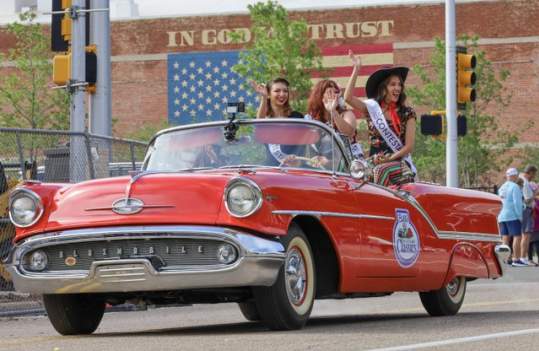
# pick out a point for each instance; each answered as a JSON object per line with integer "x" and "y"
{"x": 389, "y": 238}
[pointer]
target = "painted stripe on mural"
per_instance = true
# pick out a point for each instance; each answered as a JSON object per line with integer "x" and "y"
{"x": 337, "y": 62}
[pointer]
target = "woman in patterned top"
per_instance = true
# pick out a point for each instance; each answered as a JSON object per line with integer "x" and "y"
{"x": 385, "y": 91}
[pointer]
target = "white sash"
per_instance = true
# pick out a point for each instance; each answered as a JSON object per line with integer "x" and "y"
{"x": 380, "y": 123}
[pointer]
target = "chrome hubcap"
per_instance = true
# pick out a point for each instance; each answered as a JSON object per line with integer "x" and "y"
{"x": 295, "y": 277}
{"x": 453, "y": 287}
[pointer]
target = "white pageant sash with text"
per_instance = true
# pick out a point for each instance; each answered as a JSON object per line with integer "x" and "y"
{"x": 377, "y": 117}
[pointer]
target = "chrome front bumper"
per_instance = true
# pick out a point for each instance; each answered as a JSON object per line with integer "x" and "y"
{"x": 258, "y": 263}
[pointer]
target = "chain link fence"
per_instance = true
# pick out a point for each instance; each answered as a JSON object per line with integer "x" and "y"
{"x": 52, "y": 156}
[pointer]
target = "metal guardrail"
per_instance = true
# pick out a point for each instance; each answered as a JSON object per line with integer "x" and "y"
{"x": 45, "y": 155}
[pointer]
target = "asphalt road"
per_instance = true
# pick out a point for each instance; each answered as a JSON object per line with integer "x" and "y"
{"x": 496, "y": 315}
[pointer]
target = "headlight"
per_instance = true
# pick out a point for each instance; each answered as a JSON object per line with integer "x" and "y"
{"x": 226, "y": 253}
{"x": 38, "y": 261}
{"x": 242, "y": 197}
{"x": 25, "y": 207}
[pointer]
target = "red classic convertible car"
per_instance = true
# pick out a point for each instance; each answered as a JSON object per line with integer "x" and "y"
{"x": 271, "y": 214}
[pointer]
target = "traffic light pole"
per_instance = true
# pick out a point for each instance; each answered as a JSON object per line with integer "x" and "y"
{"x": 100, "y": 101}
{"x": 100, "y": 111}
{"x": 78, "y": 154}
{"x": 451, "y": 154}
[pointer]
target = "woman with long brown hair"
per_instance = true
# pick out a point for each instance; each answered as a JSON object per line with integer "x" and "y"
{"x": 325, "y": 104}
{"x": 390, "y": 121}
{"x": 274, "y": 103}
{"x": 274, "y": 99}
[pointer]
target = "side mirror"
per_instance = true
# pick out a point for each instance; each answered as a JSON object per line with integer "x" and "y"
{"x": 360, "y": 169}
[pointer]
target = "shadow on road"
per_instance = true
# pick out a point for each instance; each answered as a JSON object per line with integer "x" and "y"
{"x": 347, "y": 324}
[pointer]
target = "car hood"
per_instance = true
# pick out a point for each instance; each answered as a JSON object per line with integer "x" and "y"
{"x": 167, "y": 199}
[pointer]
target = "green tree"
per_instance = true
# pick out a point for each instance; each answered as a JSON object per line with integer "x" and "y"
{"x": 26, "y": 100}
{"x": 147, "y": 130}
{"x": 280, "y": 48}
{"x": 484, "y": 148}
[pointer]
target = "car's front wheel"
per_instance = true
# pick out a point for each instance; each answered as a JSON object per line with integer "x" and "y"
{"x": 287, "y": 304}
{"x": 447, "y": 300}
{"x": 73, "y": 314}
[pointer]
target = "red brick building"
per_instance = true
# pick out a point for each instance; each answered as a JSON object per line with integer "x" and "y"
{"x": 508, "y": 31}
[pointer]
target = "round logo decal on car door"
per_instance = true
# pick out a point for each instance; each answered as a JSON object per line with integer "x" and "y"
{"x": 405, "y": 239}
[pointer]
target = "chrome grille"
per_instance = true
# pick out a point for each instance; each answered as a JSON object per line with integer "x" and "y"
{"x": 162, "y": 252}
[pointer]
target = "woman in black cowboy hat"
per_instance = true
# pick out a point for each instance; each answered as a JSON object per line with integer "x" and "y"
{"x": 391, "y": 123}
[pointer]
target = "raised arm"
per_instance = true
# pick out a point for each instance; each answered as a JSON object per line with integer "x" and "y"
{"x": 348, "y": 93}
{"x": 262, "y": 92}
{"x": 344, "y": 122}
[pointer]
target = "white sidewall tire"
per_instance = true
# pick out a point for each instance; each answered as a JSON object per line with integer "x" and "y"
{"x": 288, "y": 307}
{"x": 458, "y": 297}
{"x": 443, "y": 302}
{"x": 306, "y": 305}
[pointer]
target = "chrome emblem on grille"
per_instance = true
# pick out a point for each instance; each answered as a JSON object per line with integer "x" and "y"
{"x": 127, "y": 206}
{"x": 70, "y": 261}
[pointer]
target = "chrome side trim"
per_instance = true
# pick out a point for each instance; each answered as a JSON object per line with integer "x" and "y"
{"x": 447, "y": 235}
{"x": 258, "y": 264}
{"x": 494, "y": 238}
{"x": 330, "y": 214}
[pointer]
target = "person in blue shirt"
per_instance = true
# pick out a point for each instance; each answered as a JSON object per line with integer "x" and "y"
{"x": 510, "y": 217}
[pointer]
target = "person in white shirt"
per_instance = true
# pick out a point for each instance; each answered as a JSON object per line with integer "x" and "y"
{"x": 510, "y": 216}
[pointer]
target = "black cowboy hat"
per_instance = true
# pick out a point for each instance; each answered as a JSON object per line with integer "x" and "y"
{"x": 379, "y": 76}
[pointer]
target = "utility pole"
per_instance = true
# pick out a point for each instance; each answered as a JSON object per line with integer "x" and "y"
{"x": 78, "y": 152}
{"x": 452, "y": 177}
{"x": 100, "y": 101}
{"x": 100, "y": 112}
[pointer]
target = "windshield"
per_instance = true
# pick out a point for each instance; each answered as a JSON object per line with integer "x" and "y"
{"x": 267, "y": 144}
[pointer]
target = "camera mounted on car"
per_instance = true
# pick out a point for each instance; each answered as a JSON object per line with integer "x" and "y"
{"x": 232, "y": 108}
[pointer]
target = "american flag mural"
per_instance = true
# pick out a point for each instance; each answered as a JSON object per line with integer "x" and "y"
{"x": 200, "y": 84}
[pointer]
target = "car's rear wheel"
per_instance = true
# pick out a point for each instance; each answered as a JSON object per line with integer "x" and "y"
{"x": 287, "y": 304}
{"x": 249, "y": 311}
{"x": 72, "y": 314}
{"x": 447, "y": 300}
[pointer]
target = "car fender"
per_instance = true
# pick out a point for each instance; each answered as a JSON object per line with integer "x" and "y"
{"x": 466, "y": 261}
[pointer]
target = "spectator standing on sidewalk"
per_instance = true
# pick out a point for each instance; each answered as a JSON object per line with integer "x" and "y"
{"x": 528, "y": 221}
{"x": 534, "y": 239}
{"x": 510, "y": 217}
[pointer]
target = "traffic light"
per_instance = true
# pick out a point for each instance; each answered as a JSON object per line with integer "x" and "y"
{"x": 60, "y": 26}
{"x": 91, "y": 68}
{"x": 61, "y": 68}
{"x": 462, "y": 125}
{"x": 433, "y": 124}
{"x": 465, "y": 77}
{"x": 61, "y": 40}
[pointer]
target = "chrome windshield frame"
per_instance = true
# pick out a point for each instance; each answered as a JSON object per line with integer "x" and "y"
{"x": 335, "y": 137}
